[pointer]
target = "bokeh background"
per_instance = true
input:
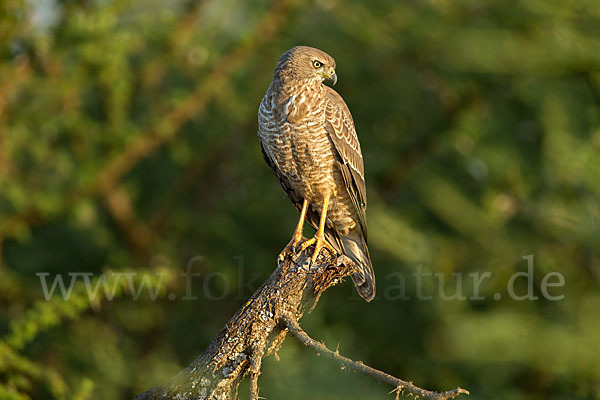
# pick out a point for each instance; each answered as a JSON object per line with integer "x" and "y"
{"x": 128, "y": 144}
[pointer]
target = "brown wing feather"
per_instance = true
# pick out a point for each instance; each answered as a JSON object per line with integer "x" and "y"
{"x": 283, "y": 181}
{"x": 340, "y": 128}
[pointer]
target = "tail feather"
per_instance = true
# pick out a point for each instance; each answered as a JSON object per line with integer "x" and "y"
{"x": 355, "y": 247}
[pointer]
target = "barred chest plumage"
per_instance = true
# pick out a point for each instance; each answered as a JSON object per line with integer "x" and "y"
{"x": 292, "y": 129}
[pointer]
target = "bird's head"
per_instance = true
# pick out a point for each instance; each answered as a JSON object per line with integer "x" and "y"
{"x": 306, "y": 63}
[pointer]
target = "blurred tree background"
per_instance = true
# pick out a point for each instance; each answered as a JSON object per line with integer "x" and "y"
{"x": 128, "y": 144}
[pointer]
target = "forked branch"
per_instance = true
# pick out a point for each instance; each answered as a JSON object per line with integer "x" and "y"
{"x": 260, "y": 327}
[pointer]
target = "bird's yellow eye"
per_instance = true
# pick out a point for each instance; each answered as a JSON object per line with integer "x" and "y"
{"x": 317, "y": 64}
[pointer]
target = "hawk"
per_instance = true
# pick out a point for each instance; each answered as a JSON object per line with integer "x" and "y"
{"x": 307, "y": 137}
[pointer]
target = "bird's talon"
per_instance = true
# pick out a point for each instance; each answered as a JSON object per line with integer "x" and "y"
{"x": 305, "y": 245}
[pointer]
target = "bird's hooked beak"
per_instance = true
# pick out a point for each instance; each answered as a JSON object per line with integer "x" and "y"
{"x": 332, "y": 77}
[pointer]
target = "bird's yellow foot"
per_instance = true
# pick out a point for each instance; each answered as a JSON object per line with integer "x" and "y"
{"x": 319, "y": 242}
{"x": 290, "y": 248}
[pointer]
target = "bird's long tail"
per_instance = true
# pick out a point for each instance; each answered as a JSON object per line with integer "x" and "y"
{"x": 355, "y": 247}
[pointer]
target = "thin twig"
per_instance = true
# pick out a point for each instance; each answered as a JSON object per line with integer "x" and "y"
{"x": 255, "y": 364}
{"x": 254, "y": 373}
{"x": 399, "y": 384}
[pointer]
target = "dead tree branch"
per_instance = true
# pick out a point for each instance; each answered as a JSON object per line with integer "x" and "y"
{"x": 260, "y": 327}
{"x": 400, "y": 385}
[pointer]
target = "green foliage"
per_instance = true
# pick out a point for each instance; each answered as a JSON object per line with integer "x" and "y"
{"x": 127, "y": 144}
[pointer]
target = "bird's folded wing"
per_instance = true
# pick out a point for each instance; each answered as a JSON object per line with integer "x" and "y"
{"x": 341, "y": 131}
{"x": 283, "y": 181}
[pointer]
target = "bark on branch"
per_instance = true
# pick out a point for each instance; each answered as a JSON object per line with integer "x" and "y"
{"x": 359, "y": 366}
{"x": 260, "y": 327}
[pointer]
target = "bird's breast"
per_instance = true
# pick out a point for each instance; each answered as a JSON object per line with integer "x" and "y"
{"x": 303, "y": 152}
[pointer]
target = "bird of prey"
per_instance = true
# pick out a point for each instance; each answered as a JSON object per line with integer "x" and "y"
{"x": 307, "y": 137}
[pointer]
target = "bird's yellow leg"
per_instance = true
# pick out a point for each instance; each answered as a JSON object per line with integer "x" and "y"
{"x": 298, "y": 232}
{"x": 319, "y": 238}
{"x": 297, "y": 237}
